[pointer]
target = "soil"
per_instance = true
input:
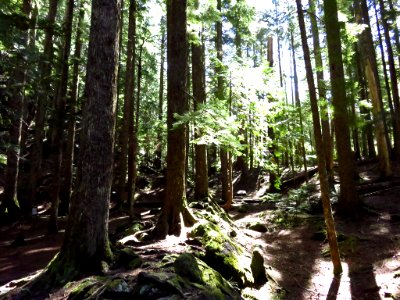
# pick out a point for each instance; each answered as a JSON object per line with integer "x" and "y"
{"x": 294, "y": 246}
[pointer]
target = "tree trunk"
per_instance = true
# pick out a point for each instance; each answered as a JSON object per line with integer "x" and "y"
{"x": 367, "y": 51}
{"x": 158, "y": 161}
{"x": 68, "y": 157}
{"x": 393, "y": 81}
{"x": 330, "y": 224}
{"x": 199, "y": 95}
{"x": 126, "y": 137}
{"x": 348, "y": 199}
{"x": 298, "y": 104}
{"x": 45, "y": 66}
{"x": 169, "y": 221}
{"x": 57, "y": 137}
{"x": 368, "y": 138}
{"x": 325, "y": 122}
{"x": 86, "y": 245}
{"x": 133, "y": 142}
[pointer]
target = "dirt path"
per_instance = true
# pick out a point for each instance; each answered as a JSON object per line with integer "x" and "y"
{"x": 293, "y": 250}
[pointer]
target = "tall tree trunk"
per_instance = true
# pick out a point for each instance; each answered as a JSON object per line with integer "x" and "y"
{"x": 367, "y": 51}
{"x": 348, "y": 199}
{"x": 169, "y": 221}
{"x": 68, "y": 157}
{"x": 325, "y": 122}
{"x": 17, "y": 106}
{"x": 199, "y": 95}
{"x": 133, "y": 142}
{"x": 57, "y": 138}
{"x": 86, "y": 246}
{"x": 158, "y": 161}
{"x": 226, "y": 179}
{"x": 298, "y": 104}
{"x": 126, "y": 136}
{"x": 368, "y": 138}
{"x": 385, "y": 74}
{"x": 393, "y": 81}
{"x": 319, "y": 143}
{"x": 45, "y": 67}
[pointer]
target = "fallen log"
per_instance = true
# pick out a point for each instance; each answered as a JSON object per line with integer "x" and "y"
{"x": 298, "y": 179}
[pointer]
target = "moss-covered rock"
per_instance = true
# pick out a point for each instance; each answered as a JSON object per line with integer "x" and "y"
{"x": 187, "y": 267}
{"x": 257, "y": 226}
{"x": 222, "y": 251}
{"x": 86, "y": 288}
{"x": 258, "y": 268}
{"x": 184, "y": 277}
{"x": 127, "y": 258}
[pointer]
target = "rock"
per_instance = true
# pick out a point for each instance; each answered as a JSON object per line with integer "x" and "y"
{"x": 259, "y": 227}
{"x": 127, "y": 258}
{"x": 118, "y": 285}
{"x": 222, "y": 252}
{"x": 258, "y": 268}
{"x": 186, "y": 266}
{"x": 241, "y": 193}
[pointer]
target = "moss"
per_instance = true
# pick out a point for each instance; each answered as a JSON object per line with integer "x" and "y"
{"x": 222, "y": 253}
{"x": 85, "y": 288}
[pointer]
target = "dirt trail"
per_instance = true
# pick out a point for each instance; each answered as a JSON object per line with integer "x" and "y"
{"x": 294, "y": 251}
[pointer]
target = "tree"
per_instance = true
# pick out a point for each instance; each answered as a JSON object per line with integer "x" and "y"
{"x": 319, "y": 142}
{"x": 59, "y": 118}
{"x": 169, "y": 221}
{"x": 86, "y": 243}
{"x": 126, "y": 138}
{"x": 326, "y": 128}
{"x": 368, "y": 57}
{"x": 348, "y": 199}
{"x": 45, "y": 67}
{"x": 199, "y": 95}
{"x": 225, "y": 157}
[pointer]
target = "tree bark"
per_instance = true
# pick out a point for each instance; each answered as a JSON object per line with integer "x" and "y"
{"x": 86, "y": 243}
{"x": 68, "y": 157}
{"x": 199, "y": 95}
{"x": 298, "y": 104}
{"x": 45, "y": 67}
{"x": 159, "y": 150}
{"x": 173, "y": 207}
{"x": 325, "y": 122}
{"x": 393, "y": 81}
{"x": 368, "y": 55}
{"x": 348, "y": 200}
{"x": 57, "y": 137}
{"x": 126, "y": 137}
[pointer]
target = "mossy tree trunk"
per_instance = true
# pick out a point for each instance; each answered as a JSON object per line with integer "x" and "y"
{"x": 319, "y": 143}
{"x": 173, "y": 207}
{"x": 199, "y": 95}
{"x": 348, "y": 200}
{"x": 86, "y": 245}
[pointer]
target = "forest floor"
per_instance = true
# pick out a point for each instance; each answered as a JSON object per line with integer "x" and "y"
{"x": 289, "y": 232}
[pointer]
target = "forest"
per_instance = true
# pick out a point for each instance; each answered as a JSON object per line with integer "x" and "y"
{"x": 199, "y": 149}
